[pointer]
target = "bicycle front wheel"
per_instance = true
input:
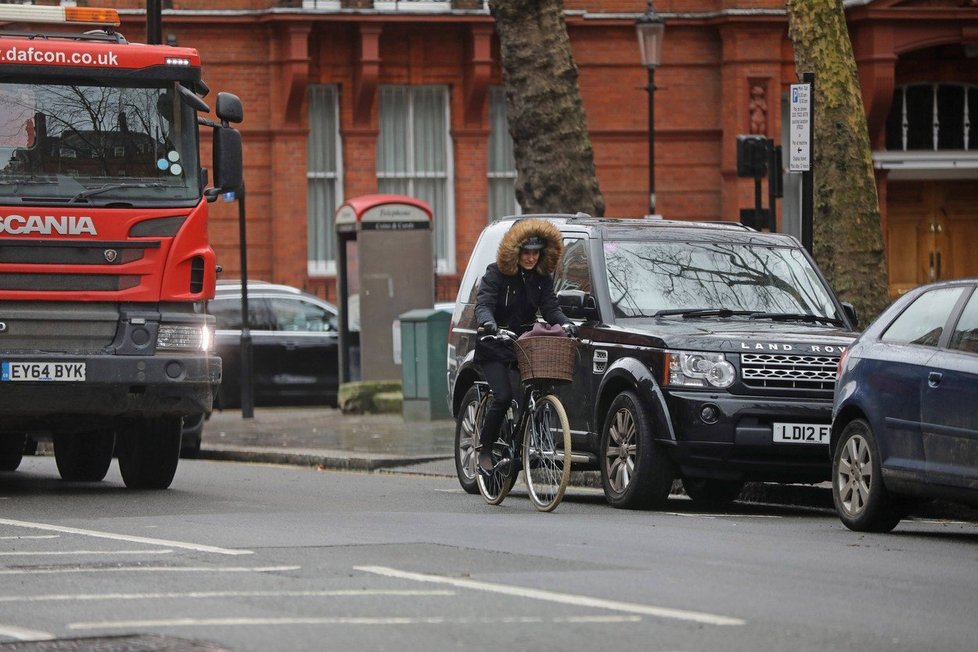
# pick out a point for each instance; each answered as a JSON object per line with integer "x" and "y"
{"x": 547, "y": 453}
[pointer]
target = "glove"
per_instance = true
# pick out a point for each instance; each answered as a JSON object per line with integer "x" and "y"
{"x": 571, "y": 329}
{"x": 489, "y": 328}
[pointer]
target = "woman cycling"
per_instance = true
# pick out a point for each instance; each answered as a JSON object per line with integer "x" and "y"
{"x": 511, "y": 292}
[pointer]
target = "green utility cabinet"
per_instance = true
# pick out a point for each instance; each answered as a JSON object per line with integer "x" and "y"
{"x": 424, "y": 350}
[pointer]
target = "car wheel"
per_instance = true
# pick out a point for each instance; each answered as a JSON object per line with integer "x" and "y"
{"x": 635, "y": 472}
{"x": 11, "y": 450}
{"x": 466, "y": 437}
{"x": 149, "y": 451}
{"x": 710, "y": 491}
{"x": 84, "y": 456}
{"x": 861, "y": 501}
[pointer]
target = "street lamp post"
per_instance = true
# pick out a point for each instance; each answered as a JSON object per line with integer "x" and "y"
{"x": 651, "y": 28}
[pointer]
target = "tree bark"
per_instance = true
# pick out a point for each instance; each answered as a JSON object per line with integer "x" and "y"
{"x": 847, "y": 235}
{"x": 554, "y": 160}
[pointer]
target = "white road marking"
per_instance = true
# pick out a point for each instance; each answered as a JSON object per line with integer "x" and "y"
{"x": 31, "y": 536}
{"x": 198, "y": 595}
{"x": 125, "y": 537}
{"x": 715, "y": 516}
{"x": 21, "y": 634}
{"x": 562, "y": 598}
{"x": 149, "y": 569}
{"x": 375, "y": 620}
{"x": 42, "y": 553}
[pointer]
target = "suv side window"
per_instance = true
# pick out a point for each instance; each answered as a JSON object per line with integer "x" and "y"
{"x": 227, "y": 313}
{"x": 574, "y": 271}
{"x": 923, "y": 321}
{"x": 299, "y": 315}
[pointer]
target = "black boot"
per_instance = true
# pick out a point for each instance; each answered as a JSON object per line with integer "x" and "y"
{"x": 486, "y": 463}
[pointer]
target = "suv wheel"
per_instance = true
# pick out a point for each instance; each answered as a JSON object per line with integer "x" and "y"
{"x": 635, "y": 472}
{"x": 11, "y": 450}
{"x": 710, "y": 491}
{"x": 861, "y": 500}
{"x": 466, "y": 436}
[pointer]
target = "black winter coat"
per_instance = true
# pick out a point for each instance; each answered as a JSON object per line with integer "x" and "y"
{"x": 512, "y": 302}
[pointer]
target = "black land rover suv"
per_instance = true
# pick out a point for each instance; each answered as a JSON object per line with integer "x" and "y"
{"x": 709, "y": 353}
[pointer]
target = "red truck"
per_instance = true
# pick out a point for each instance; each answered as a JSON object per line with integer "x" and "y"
{"x": 105, "y": 263}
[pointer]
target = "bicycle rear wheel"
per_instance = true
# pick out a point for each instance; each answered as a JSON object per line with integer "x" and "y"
{"x": 497, "y": 485}
{"x": 547, "y": 453}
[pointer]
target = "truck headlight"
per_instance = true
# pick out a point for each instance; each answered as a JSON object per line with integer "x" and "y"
{"x": 179, "y": 337}
{"x": 698, "y": 369}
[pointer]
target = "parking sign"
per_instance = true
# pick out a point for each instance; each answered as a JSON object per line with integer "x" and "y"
{"x": 800, "y": 128}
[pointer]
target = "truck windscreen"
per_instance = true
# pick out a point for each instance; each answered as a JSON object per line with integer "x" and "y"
{"x": 62, "y": 143}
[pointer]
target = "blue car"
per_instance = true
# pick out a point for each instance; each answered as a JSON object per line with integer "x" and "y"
{"x": 905, "y": 416}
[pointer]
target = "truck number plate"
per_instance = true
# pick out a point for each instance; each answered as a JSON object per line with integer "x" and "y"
{"x": 802, "y": 433}
{"x": 41, "y": 371}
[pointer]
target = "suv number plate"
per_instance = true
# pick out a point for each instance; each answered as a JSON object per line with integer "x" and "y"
{"x": 802, "y": 433}
{"x": 40, "y": 371}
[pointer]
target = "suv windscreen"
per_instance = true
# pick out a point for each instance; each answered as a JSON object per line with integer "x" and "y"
{"x": 646, "y": 278}
{"x": 71, "y": 142}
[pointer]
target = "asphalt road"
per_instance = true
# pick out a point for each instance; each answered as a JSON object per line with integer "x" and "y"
{"x": 257, "y": 557}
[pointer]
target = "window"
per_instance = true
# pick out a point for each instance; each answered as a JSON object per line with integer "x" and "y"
{"x": 414, "y": 157}
{"x": 299, "y": 315}
{"x": 965, "y": 335}
{"x": 923, "y": 321}
{"x": 933, "y": 117}
{"x": 574, "y": 272}
{"x": 227, "y": 313}
{"x": 502, "y": 164}
{"x": 324, "y": 187}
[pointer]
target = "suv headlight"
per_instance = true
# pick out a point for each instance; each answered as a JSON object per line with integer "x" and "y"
{"x": 698, "y": 369}
{"x": 173, "y": 337}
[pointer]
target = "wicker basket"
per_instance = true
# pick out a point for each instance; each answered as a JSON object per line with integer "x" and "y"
{"x": 550, "y": 358}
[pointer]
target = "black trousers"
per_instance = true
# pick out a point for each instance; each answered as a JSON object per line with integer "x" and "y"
{"x": 504, "y": 381}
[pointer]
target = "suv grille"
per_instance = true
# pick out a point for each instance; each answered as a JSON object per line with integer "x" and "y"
{"x": 788, "y": 371}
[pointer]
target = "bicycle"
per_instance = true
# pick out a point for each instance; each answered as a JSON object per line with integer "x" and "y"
{"x": 544, "y": 450}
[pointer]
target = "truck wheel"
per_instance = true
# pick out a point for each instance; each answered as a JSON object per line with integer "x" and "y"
{"x": 709, "y": 491}
{"x": 149, "y": 450}
{"x": 84, "y": 456}
{"x": 466, "y": 436}
{"x": 11, "y": 450}
{"x": 635, "y": 472}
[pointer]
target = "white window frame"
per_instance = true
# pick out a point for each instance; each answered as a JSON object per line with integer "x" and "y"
{"x": 444, "y": 262}
{"x": 497, "y": 102}
{"x": 326, "y": 266}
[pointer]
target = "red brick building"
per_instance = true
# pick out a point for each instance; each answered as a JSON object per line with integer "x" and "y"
{"x": 351, "y": 97}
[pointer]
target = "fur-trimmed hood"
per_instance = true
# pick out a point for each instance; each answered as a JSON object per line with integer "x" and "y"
{"x": 508, "y": 254}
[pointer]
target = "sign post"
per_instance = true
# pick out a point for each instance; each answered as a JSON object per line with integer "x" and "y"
{"x": 801, "y": 129}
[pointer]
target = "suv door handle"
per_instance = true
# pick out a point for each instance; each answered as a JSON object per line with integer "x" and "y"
{"x": 934, "y": 378}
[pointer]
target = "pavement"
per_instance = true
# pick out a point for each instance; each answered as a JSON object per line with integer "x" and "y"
{"x": 327, "y": 438}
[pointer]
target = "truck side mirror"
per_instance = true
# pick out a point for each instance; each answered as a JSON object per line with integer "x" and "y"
{"x": 227, "y": 159}
{"x": 229, "y": 108}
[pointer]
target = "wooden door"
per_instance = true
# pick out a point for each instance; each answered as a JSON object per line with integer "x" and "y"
{"x": 932, "y": 232}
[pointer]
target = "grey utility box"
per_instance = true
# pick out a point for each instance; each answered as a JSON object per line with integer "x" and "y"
{"x": 424, "y": 345}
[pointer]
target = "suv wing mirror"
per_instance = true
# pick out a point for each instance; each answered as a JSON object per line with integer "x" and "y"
{"x": 577, "y": 304}
{"x": 850, "y": 311}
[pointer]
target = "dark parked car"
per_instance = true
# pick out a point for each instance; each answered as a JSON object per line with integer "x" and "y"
{"x": 905, "y": 421}
{"x": 708, "y": 353}
{"x": 295, "y": 344}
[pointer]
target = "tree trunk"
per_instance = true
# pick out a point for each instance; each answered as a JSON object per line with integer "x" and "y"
{"x": 551, "y": 144}
{"x": 847, "y": 235}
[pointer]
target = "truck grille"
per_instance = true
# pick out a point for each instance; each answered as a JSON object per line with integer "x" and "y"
{"x": 63, "y": 327}
{"x": 771, "y": 370}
